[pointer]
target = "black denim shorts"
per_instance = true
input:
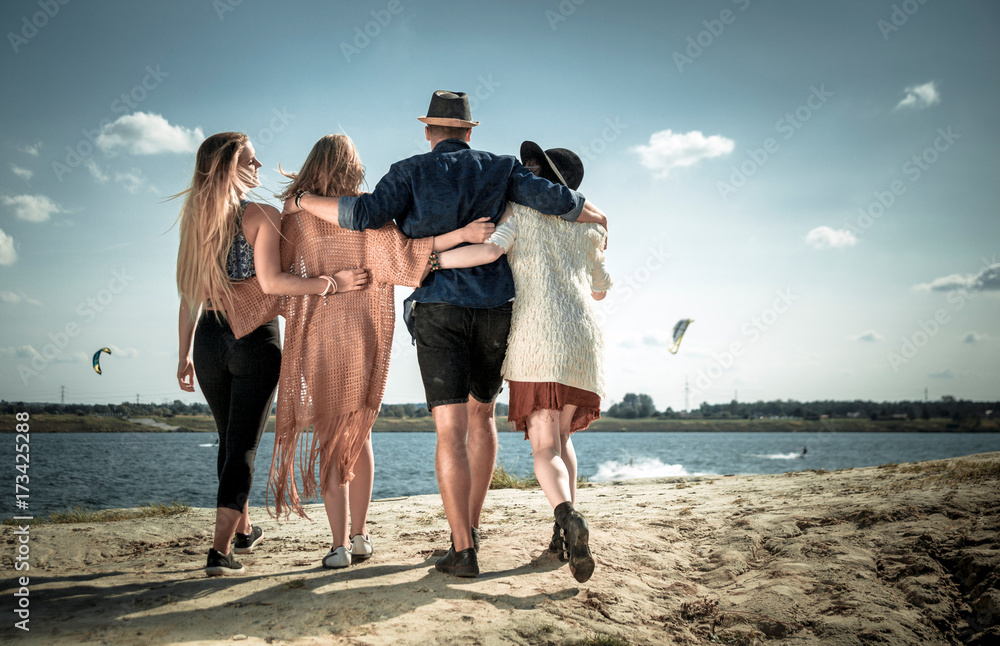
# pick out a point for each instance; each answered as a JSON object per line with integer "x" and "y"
{"x": 460, "y": 351}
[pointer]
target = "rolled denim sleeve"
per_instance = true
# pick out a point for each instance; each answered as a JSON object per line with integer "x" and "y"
{"x": 391, "y": 199}
{"x": 542, "y": 195}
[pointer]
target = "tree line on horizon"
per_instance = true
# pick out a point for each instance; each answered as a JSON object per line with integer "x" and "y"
{"x": 632, "y": 406}
{"x": 638, "y": 406}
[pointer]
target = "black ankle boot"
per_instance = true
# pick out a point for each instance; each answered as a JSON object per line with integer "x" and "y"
{"x": 556, "y": 544}
{"x": 563, "y": 510}
{"x": 576, "y": 535}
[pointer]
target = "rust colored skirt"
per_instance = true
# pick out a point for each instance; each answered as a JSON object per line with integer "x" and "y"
{"x": 528, "y": 396}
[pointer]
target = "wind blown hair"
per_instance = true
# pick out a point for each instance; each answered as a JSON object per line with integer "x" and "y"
{"x": 208, "y": 220}
{"x": 332, "y": 169}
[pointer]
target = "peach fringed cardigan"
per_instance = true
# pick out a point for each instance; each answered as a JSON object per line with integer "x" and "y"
{"x": 336, "y": 351}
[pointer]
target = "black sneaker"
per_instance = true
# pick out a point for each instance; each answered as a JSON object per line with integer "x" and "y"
{"x": 464, "y": 563}
{"x": 222, "y": 564}
{"x": 244, "y": 543}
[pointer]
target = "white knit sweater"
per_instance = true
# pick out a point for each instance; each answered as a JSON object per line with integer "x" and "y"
{"x": 554, "y": 333}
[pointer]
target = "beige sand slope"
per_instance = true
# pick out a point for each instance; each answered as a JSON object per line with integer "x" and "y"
{"x": 903, "y": 554}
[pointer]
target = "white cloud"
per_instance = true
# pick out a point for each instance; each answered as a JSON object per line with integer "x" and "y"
{"x": 33, "y": 208}
{"x": 824, "y": 237}
{"x": 23, "y": 173}
{"x": 869, "y": 336}
{"x": 29, "y": 352}
{"x": 658, "y": 338}
{"x": 33, "y": 149}
{"x": 975, "y": 337}
{"x": 7, "y": 254}
{"x": 132, "y": 181}
{"x": 141, "y": 133}
{"x": 73, "y": 357}
{"x": 988, "y": 279}
{"x": 944, "y": 374}
{"x": 667, "y": 150}
{"x": 8, "y": 296}
{"x": 920, "y": 96}
{"x": 96, "y": 171}
{"x": 124, "y": 353}
{"x": 21, "y": 352}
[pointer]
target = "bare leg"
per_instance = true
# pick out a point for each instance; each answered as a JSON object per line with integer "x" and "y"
{"x": 360, "y": 495}
{"x": 568, "y": 452}
{"x": 453, "y": 472}
{"x": 225, "y": 528}
{"x": 335, "y": 500}
{"x": 244, "y": 526}
{"x": 482, "y": 454}
{"x": 543, "y": 431}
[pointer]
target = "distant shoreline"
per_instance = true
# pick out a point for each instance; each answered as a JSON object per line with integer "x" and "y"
{"x": 43, "y": 423}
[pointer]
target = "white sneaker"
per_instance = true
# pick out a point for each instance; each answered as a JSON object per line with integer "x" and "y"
{"x": 338, "y": 558}
{"x": 361, "y": 547}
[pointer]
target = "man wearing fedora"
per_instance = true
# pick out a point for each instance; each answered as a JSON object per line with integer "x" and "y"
{"x": 459, "y": 317}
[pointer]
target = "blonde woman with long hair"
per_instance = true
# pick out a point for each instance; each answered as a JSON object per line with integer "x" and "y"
{"x": 219, "y": 231}
{"x": 336, "y": 359}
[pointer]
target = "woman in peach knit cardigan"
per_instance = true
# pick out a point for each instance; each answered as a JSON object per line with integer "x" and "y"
{"x": 336, "y": 350}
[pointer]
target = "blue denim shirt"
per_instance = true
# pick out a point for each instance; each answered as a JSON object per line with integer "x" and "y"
{"x": 446, "y": 189}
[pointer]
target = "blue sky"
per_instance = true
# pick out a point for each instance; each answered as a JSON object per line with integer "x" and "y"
{"x": 813, "y": 183}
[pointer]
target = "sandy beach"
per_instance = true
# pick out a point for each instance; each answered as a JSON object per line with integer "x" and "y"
{"x": 899, "y": 554}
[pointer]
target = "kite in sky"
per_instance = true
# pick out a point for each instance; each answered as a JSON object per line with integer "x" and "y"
{"x": 97, "y": 359}
{"x": 679, "y": 329}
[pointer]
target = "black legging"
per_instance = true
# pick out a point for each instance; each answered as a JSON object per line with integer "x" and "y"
{"x": 238, "y": 378}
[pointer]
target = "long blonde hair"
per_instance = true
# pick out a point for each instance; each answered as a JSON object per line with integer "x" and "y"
{"x": 208, "y": 220}
{"x": 332, "y": 168}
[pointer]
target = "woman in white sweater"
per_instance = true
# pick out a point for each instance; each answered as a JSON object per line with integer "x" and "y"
{"x": 555, "y": 350}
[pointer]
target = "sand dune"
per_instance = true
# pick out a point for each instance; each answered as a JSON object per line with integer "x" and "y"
{"x": 904, "y": 554}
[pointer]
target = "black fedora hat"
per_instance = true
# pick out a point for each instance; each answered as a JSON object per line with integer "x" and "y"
{"x": 560, "y": 165}
{"x": 449, "y": 109}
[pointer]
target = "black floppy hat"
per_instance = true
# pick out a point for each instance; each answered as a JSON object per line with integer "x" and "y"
{"x": 563, "y": 164}
{"x": 449, "y": 109}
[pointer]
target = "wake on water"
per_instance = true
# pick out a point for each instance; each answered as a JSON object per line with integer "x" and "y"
{"x": 777, "y": 456}
{"x": 638, "y": 468}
